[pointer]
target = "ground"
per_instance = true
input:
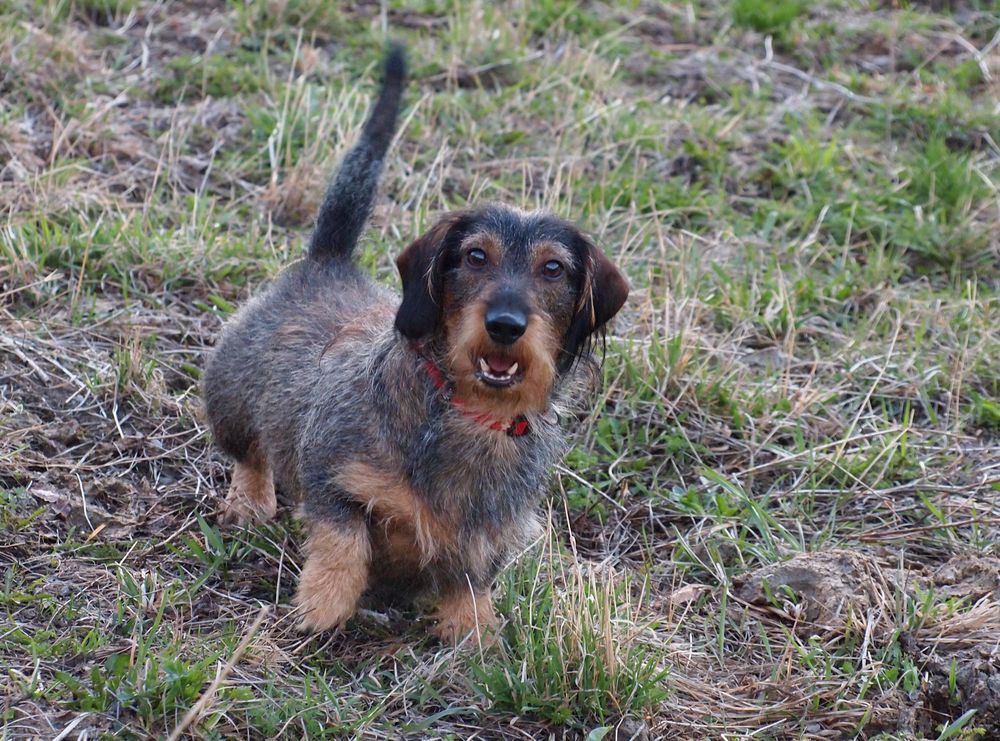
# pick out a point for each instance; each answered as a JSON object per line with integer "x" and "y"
{"x": 780, "y": 515}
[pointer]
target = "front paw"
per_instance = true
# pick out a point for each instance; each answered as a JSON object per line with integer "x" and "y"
{"x": 461, "y": 614}
{"x": 326, "y": 610}
{"x": 334, "y": 577}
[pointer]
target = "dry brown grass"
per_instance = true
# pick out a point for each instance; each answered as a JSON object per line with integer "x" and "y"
{"x": 780, "y": 522}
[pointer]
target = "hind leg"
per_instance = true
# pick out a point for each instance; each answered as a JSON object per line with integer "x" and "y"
{"x": 251, "y": 493}
{"x": 228, "y": 388}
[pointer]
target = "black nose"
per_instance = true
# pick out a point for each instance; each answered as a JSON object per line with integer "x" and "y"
{"x": 506, "y": 325}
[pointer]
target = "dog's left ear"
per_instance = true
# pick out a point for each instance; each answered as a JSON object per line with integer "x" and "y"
{"x": 421, "y": 269}
{"x": 602, "y": 293}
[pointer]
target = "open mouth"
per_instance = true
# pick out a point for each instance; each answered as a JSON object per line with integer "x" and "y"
{"x": 498, "y": 371}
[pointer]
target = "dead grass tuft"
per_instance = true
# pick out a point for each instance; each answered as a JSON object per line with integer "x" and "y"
{"x": 780, "y": 517}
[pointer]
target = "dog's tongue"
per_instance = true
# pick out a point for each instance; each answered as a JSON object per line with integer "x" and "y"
{"x": 498, "y": 363}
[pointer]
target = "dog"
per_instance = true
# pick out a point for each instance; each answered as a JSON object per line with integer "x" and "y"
{"x": 417, "y": 434}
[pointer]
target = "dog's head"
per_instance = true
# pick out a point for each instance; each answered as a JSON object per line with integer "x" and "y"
{"x": 514, "y": 299}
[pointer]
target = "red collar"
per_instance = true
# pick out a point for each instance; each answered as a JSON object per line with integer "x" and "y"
{"x": 516, "y": 427}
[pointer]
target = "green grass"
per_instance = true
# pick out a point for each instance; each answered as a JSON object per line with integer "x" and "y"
{"x": 772, "y": 18}
{"x": 216, "y": 76}
{"x": 806, "y": 364}
{"x": 572, "y": 653}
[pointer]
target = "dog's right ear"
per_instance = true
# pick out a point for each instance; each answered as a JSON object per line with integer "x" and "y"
{"x": 421, "y": 269}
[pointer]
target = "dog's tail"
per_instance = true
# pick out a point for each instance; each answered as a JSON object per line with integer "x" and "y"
{"x": 349, "y": 199}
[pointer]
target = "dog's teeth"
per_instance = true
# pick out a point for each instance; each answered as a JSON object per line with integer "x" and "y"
{"x": 512, "y": 370}
{"x": 484, "y": 366}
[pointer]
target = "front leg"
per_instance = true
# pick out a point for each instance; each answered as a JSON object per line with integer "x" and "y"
{"x": 338, "y": 556}
{"x": 464, "y": 610}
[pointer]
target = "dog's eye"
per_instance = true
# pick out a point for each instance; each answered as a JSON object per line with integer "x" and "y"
{"x": 475, "y": 258}
{"x": 552, "y": 269}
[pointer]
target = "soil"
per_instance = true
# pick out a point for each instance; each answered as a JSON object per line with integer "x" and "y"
{"x": 842, "y": 592}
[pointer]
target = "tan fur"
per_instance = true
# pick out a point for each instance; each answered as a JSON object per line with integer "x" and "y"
{"x": 542, "y": 252}
{"x": 394, "y": 543}
{"x": 403, "y": 516}
{"x": 251, "y": 494}
{"x": 462, "y": 612}
{"x": 409, "y": 534}
{"x": 534, "y": 352}
{"x": 487, "y": 242}
{"x": 334, "y": 576}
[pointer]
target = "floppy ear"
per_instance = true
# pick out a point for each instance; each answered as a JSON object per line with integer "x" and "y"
{"x": 602, "y": 293}
{"x": 421, "y": 270}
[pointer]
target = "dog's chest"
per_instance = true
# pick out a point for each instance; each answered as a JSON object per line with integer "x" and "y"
{"x": 489, "y": 474}
{"x": 395, "y": 545}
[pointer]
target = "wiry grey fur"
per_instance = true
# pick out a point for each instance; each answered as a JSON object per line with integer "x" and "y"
{"x": 349, "y": 199}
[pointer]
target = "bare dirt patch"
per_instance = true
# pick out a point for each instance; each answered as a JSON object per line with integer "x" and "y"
{"x": 837, "y": 593}
{"x": 787, "y": 374}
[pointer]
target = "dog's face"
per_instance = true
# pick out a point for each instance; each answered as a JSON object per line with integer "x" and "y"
{"x": 512, "y": 298}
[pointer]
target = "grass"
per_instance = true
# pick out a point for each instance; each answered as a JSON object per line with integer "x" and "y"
{"x": 574, "y": 653}
{"x": 806, "y": 367}
{"x": 769, "y": 18}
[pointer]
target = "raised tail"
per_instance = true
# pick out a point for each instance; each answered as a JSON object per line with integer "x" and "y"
{"x": 349, "y": 199}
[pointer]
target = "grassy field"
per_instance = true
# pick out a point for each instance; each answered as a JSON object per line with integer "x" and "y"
{"x": 781, "y": 515}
